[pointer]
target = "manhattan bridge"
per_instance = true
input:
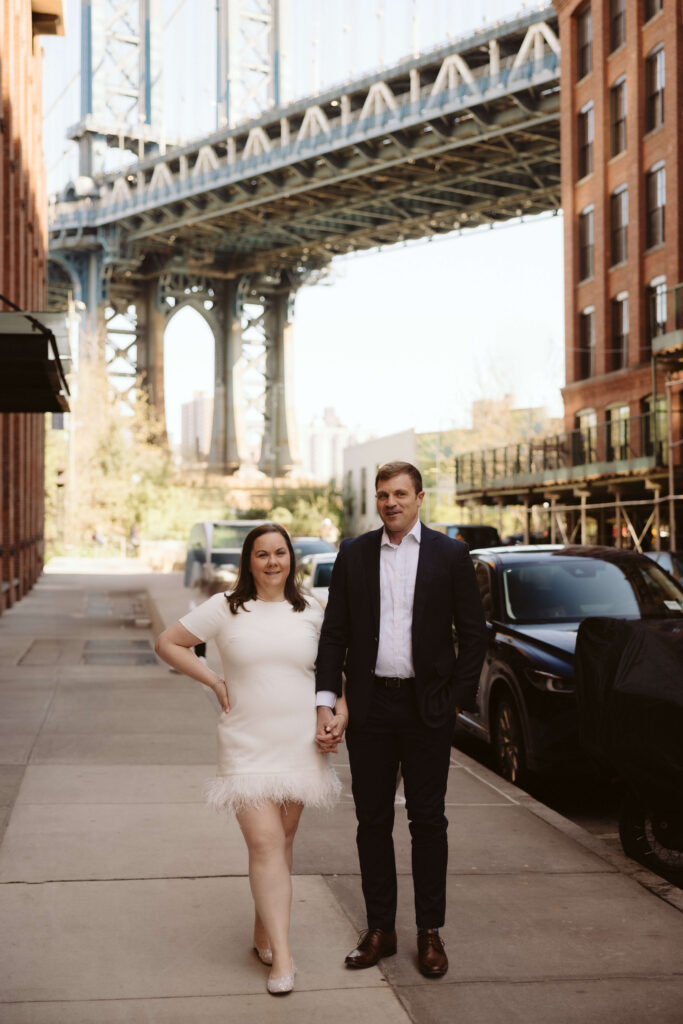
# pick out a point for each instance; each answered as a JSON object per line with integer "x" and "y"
{"x": 232, "y": 224}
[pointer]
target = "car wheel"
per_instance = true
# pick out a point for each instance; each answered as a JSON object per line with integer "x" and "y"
{"x": 653, "y": 836}
{"x": 509, "y": 751}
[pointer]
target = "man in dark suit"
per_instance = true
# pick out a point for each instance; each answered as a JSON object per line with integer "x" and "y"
{"x": 394, "y": 597}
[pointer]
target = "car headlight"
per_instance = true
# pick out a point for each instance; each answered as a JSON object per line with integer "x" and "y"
{"x": 550, "y": 682}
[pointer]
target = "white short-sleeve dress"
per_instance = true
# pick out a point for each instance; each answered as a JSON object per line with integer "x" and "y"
{"x": 266, "y": 742}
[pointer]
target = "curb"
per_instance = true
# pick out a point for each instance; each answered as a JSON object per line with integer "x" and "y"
{"x": 660, "y": 888}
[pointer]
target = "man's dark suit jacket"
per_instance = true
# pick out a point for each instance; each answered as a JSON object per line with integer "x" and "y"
{"x": 446, "y": 594}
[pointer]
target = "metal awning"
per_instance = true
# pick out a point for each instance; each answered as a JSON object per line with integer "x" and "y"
{"x": 34, "y": 358}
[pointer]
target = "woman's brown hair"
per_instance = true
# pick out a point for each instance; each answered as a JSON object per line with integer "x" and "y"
{"x": 245, "y": 588}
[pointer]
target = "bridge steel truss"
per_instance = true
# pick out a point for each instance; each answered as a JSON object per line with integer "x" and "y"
{"x": 464, "y": 136}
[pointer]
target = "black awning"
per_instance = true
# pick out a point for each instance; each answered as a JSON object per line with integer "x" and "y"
{"x": 31, "y": 372}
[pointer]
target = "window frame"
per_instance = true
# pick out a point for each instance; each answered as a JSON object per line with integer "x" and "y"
{"x": 655, "y": 187}
{"x": 586, "y": 433}
{"x": 654, "y": 88}
{"x": 586, "y": 345}
{"x": 618, "y": 415}
{"x": 619, "y": 336}
{"x": 617, "y": 17}
{"x": 651, "y": 8}
{"x": 618, "y": 201}
{"x": 585, "y": 138}
{"x": 587, "y": 243}
{"x": 584, "y": 42}
{"x": 617, "y": 116}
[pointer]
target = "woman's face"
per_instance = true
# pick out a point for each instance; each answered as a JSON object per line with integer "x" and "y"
{"x": 270, "y": 564}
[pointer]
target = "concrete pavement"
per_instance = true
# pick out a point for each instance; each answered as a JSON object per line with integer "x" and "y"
{"x": 123, "y": 899}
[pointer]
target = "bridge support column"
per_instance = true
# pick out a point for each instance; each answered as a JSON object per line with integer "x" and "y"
{"x": 151, "y": 323}
{"x": 226, "y": 443}
{"x": 278, "y": 428}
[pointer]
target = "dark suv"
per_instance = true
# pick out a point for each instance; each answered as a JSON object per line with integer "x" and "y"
{"x": 534, "y": 599}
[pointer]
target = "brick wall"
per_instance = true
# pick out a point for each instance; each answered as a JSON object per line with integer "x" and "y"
{"x": 632, "y": 384}
{"x": 23, "y": 281}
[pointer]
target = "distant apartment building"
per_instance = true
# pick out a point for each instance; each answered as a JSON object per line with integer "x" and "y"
{"x": 606, "y": 476}
{"x": 321, "y": 445}
{"x": 195, "y": 427}
{"x": 434, "y": 453}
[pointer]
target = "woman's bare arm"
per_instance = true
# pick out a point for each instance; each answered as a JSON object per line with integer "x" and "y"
{"x": 175, "y": 645}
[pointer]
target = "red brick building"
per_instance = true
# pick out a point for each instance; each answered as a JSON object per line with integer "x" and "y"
{"x": 622, "y": 181}
{"x": 23, "y": 281}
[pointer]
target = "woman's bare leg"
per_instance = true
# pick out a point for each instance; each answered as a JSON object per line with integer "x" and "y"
{"x": 269, "y": 877}
{"x": 291, "y": 816}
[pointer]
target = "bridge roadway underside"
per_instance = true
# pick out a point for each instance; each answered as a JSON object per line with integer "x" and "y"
{"x": 451, "y": 140}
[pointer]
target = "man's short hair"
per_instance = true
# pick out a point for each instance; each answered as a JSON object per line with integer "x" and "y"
{"x": 391, "y": 469}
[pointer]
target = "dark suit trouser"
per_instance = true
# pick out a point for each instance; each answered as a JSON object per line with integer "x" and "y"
{"x": 394, "y": 736}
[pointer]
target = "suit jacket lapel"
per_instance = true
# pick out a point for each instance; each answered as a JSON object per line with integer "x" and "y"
{"x": 424, "y": 565}
{"x": 372, "y": 564}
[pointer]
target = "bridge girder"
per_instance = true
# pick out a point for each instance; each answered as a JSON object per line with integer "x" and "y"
{"x": 463, "y": 136}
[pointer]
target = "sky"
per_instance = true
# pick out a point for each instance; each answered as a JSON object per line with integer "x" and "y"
{"x": 406, "y": 337}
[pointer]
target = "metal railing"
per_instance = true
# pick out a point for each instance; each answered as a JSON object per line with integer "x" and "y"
{"x": 609, "y": 442}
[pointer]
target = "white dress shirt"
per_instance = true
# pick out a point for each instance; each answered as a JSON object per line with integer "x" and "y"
{"x": 397, "y": 575}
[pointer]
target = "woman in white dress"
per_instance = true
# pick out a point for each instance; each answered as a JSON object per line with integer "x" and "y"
{"x": 269, "y": 766}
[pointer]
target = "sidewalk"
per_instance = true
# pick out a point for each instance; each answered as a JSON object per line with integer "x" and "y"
{"x": 124, "y": 900}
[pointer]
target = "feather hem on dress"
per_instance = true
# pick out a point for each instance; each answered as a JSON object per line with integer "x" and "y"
{"x": 235, "y": 792}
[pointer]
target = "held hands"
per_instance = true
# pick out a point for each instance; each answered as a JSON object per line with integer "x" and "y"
{"x": 330, "y": 730}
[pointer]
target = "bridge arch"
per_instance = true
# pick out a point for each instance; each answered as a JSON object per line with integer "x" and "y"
{"x": 191, "y": 333}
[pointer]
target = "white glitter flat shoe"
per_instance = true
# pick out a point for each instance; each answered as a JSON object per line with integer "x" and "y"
{"x": 282, "y": 985}
{"x": 264, "y": 955}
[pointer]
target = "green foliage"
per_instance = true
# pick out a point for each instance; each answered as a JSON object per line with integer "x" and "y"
{"x": 112, "y": 469}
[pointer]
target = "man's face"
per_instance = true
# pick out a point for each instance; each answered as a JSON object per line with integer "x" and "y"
{"x": 398, "y": 504}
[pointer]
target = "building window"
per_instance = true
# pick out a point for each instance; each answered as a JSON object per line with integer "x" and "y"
{"x": 584, "y": 41}
{"x": 617, "y": 24}
{"x": 586, "y": 437}
{"x": 587, "y": 343}
{"x": 618, "y": 431}
{"x": 586, "y": 243}
{"x": 655, "y": 198}
{"x": 656, "y": 310}
{"x": 617, "y": 116}
{"x": 652, "y": 7}
{"x": 619, "y": 351}
{"x": 654, "y": 428}
{"x": 654, "y": 89}
{"x": 363, "y": 490}
{"x": 585, "y": 134}
{"x": 618, "y": 206}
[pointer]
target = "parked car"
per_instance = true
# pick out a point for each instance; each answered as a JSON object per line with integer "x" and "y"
{"x": 534, "y": 599}
{"x": 476, "y": 535}
{"x": 213, "y": 554}
{"x": 304, "y": 546}
{"x": 669, "y": 560}
{"x": 317, "y": 573}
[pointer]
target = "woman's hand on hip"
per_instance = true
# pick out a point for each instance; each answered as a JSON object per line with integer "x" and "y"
{"x": 220, "y": 688}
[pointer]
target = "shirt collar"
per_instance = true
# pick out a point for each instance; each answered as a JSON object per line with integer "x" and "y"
{"x": 415, "y": 533}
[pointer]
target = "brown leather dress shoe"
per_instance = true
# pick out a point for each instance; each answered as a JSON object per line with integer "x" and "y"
{"x": 431, "y": 956}
{"x": 373, "y": 944}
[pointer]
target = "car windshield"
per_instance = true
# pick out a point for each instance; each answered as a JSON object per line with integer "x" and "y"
{"x": 571, "y": 589}
{"x": 230, "y": 535}
{"x": 323, "y": 574}
{"x": 310, "y": 547}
